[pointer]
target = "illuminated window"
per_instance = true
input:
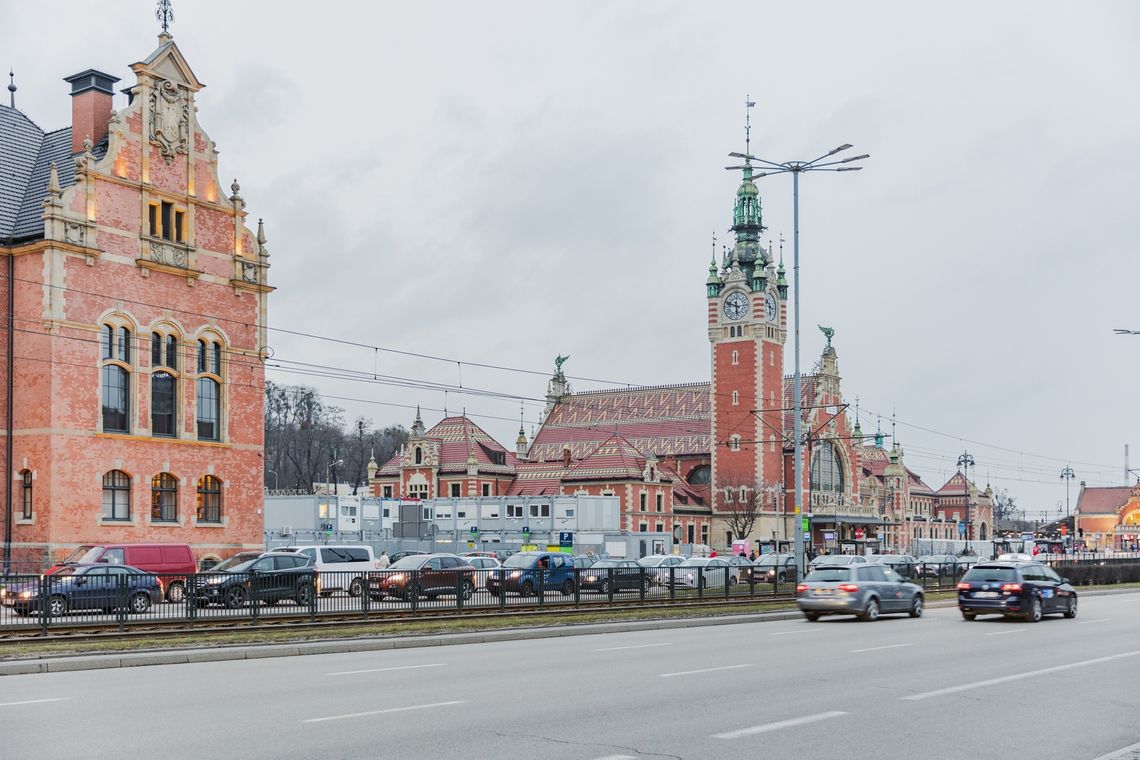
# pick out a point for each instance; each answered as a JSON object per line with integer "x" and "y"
{"x": 209, "y": 499}
{"x": 164, "y": 498}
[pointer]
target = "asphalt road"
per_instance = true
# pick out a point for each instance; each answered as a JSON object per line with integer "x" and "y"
{"x": 938, "y": 687}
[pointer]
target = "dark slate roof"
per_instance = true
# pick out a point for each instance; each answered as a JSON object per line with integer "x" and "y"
{"x": 26, "y": 156}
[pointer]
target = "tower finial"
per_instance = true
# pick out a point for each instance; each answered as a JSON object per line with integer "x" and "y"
{"x": 11, "y": 88}
{"x": 165, "y": 15}
{"x": 748, "y": 104}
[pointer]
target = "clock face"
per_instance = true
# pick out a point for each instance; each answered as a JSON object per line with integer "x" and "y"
{"x": 770, "y": 307}
{"x": 736, "y": 306}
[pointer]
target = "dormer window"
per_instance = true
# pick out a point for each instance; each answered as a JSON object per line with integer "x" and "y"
{"x": 419, "y": 455}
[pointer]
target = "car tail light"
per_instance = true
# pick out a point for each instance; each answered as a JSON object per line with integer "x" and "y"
{"x": 849, "y": 587}
{"x": 1007, "y": 587}
{"x": 963, "y": 586}
{"x": 801, "y": 587}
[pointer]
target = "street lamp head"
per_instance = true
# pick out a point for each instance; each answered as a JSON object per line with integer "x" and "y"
{"x": 842, "y": 147}
{"x": 849, "y": 169}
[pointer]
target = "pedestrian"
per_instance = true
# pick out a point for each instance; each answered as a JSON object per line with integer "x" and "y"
{"x": 712, "y": 553}
{"x": 752, "y": 556}
{"x": 743, "y": 555}
{"x": 384, "y": 561}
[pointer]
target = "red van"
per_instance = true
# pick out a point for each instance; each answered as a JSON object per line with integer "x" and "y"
{"x": 172, "y": 562}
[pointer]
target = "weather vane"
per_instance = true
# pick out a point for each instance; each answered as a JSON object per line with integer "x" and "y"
{"x": 165, "y": 15}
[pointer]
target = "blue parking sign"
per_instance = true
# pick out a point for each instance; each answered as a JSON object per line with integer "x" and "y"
{"x": 566, "y": 538}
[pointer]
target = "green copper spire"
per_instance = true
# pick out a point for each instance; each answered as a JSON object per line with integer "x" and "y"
{"x": 713, "y": 283}
{"x": 747, "y": 217}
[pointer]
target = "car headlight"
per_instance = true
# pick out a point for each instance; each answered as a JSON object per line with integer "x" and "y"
{"x": 27, "y": 594}
{"x": 516, "y": 574}
{"x": 591, "y": 579}
{"x": 397, "y": 578}
{"x": 215, "y": 580}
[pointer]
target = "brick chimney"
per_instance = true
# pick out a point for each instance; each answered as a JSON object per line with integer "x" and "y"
{"x": 91, "y": 93}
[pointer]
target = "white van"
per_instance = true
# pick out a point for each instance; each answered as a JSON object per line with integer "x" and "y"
{"x": 339, "y": 568}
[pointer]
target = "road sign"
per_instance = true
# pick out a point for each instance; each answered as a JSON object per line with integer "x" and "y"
{"x": 859, "y": 533}
{"x": 566, "y": 538}
{"x": 804, "y": 527}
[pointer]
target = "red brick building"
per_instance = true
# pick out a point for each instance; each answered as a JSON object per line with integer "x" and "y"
{"x": 131, "y": 380}
{"x": 1108, "y": 517}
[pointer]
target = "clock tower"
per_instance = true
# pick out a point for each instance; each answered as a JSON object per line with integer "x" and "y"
{"x": 747, "y": 315}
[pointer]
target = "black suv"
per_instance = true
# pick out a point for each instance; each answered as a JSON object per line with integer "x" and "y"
{"x": 1015, "y": 589}
{"x": 263, "y": 576}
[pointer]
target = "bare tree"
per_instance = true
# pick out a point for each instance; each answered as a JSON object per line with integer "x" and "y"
{"x": 740, "y": 504}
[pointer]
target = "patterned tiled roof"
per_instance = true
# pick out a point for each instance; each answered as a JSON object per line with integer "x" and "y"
{"x": 537, "y": 479}
{"x": 615, "y": 459}
{"x": 1103, "y": 500}
{"x": 26, "y": 156}
{"x": 807, "y": 398}
{"x": 661, "y": 420}
{"x": 955, "y": 486}
{"x": 458, "y": 438}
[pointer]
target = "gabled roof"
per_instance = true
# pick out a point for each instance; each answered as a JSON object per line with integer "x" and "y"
{"x": 1103, "y": 500}
{"x": 537, "y": 479}
{"x": 661, "y": 420}
{"x": 955, "y": 486}
{"x": 26, "y": 156}
{"x": 807, "y": 398}
{"x": 458, "y": 439}
{"x": 614, "y": 459}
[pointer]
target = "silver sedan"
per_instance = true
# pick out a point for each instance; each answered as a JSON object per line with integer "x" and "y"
{"x": 863, "y": 590}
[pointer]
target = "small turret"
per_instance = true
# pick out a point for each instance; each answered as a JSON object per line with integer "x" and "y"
{"x": 372, "y": 466}
{"x": 713, "y": 283}
{"x": 418, "y": 425}
{"x": 781, "y": 282}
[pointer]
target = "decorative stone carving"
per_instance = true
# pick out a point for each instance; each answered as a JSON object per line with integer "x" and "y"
{"x": 249, "y": 272}
{"x": 169, "y": 118}
{"x": 171, "y": 255}
{"x": 74, "y": 233}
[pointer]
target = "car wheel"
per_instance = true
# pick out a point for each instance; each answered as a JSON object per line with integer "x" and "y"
{"x": 176, "y": 593}
{"x": 1034, "y": 613}
{"x": 567, "y": 587}
{"x": 140, "y": 603}
{"x": 412, "y": 592}
{"x": 57, "y": 606}
{"x": 645, "y": 585}
{"x": 21, "y": 612}
{"x": 781, "y": 578}
{"x": 468, "y": 590}
{"x": 1071, "y": 609}
{"x": 732, "y": 581}
{"x": 604, "y": 588}
{"x": 305, "y": 594}
{"x": 968, "y": 615}
{"x": 811, "y": 616}
{"x": 871, "y": 611}
{"x": 916, "y": 606}
{"x": 527, "y": 589}
{"x": 234, "y": 598}
{"x": 356, "y": 588}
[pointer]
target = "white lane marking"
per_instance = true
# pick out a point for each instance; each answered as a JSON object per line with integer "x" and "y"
{"x": 778, "y": 725}
{"x": 1098, "y": 620}
{"x": 801, "y": 630}
{"x": 635, "y": 646}
{"x": 384, "y": 712}
{"x": 32, "y": 701}
{"x": 1018, "y": 676}
{"x": 1002, "y": 633}
{"x": 386, "y": 670}
{"x": 1121, "y": 754}
{"x": 875, "y": 649}
{"x": 703, "y": 670}
{"x": 616, "y": 757}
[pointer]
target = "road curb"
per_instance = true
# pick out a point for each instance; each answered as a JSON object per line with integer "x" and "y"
{"x": 69, "y": 663}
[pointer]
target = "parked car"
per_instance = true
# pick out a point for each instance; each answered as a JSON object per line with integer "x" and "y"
{"x": 737, "y": 564}
{"x": 424, "y": 575}
{"x": 171, "y": 562}
{"x": 85, "y": 587}
{"x": 837, "y": 559}
{"x": 615, "y": 574}
{"x": 863, "y": 590}
{"x": 483, "y": 566}
{"x": 527, "y": 572}
{"x": 582, "y": 561}
{"x": 903, "y": 564}
{"x": 659, "y": 565}
{"x": 712, "y": 572}
{"x": 937, "y": 565}
{"x": 339, "y": 568}
{"x": 1015, "y": 589}
{"x": 265, "y": 576}
{"x": 770, "y": 568}
{"x": 400, "y": 555}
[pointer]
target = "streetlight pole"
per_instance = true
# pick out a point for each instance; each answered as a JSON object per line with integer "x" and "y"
{"x": 796, "y": 168}
{"x": 1067, "y": 475}
{"x": 965, "y": 461}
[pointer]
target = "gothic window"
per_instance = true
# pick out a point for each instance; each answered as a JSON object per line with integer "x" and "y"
{"x": 163, "y": 392}
{"x": 736, "y": 357}
{"x": 26, "y": 494}
{"x": 826, "y": 469}
{"x": 164, "y": 498}
{"x": 116, "y": 495}
{"x": 115, "y": 378}
{"x": 209, "y": 499}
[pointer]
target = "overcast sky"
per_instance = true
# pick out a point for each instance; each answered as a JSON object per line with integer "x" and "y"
{"x": 500, "y": 182}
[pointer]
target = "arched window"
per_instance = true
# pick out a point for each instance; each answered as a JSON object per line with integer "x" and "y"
{"x": 209, "y": 499}
{"x": 208, "y": 390}
{"x": 115, "y": 378}
{"x": 736, "y": 357}
{"x": 826, "y": 469}
{"x": 735, "y": 398}
{"x": 26, "y": 494}
{"x": 163, "y": 395}
{"x": 164, "y": 498}
{"x": 700, "y": 475}
{"x": 116, "y": 495}
{"x": 419, "y": 455}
